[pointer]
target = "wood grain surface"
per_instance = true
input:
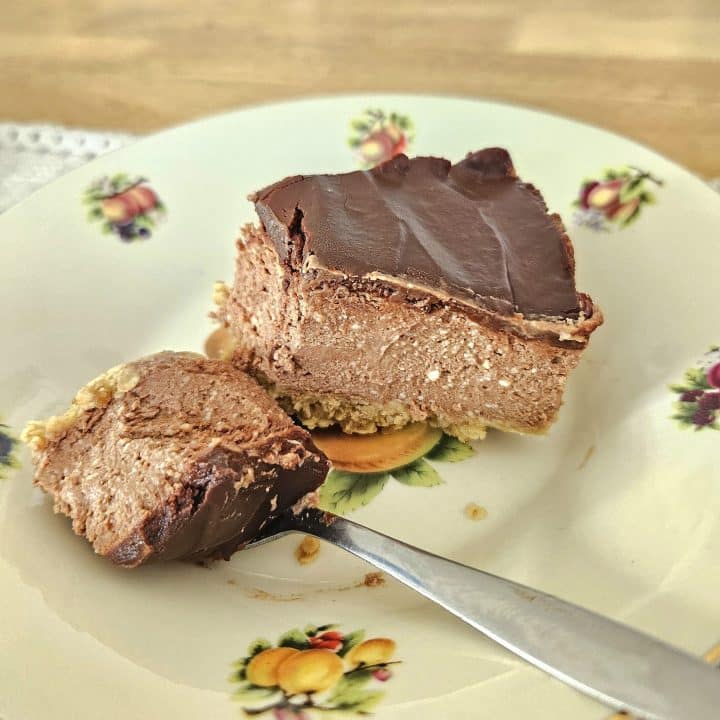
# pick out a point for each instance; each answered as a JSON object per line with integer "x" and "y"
{"x": 649, "y": 70}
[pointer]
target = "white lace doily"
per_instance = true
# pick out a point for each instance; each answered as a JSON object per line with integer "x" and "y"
{"x": 32, "y": 155}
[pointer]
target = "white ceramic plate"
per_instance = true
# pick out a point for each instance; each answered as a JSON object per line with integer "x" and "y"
{"x": 617, "y": 509}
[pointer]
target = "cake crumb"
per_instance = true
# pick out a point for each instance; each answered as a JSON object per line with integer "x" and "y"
{"x": 473, "y": 511}
{"x": 374, "y": 579}
{"x": 307, "y": 551}
{"x": 260, "y": 594}
{"x": 220, "y": 344}
{"x": 433, "y": 375}
{"x": 221, "y": 293}
{"x": 97, "y": 394}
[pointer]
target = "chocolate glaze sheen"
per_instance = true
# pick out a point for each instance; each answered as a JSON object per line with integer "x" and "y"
{"x": 214, "y": 520}
{"x": 472, "y": 230}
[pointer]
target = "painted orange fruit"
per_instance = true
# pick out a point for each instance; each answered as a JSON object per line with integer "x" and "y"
{"x": 382, "y": 451}
{"x": 372, "y": 652}
{"x": 309, "y": 671}
{"x": 262, "y": 670}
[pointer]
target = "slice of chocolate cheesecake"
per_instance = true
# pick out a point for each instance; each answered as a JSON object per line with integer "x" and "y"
{"x": 418, "y": 290}
{"x": 173, "y": 456}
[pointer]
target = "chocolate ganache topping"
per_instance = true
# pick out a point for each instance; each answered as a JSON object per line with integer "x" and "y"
{"x": 472, "y": 231}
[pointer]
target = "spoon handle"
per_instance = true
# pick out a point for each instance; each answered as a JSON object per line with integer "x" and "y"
{"x": 621, "y": 667}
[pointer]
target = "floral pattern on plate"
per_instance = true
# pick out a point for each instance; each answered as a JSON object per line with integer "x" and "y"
{"x": 363, "y": 464}
{"x": 8, "y": 456}
{"x": 318, "y": 669}
{"x": 615, "y": 199}
{"x": 698, "y": 402}
{"x": 125, "y": 206}
{"x": 377, "y": 136}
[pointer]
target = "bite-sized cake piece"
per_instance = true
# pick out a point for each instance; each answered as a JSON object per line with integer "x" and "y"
{"x": 173, "y": 456}
{"x": 418, "y": 290}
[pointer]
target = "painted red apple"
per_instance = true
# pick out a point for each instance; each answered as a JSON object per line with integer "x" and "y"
{"x": 383, "y": 144}
{"x": 144, "y": 197}
{"x": 319, "y": 643}
{"x": 605, "y": 196}
{"x": 376, "y": 147}
{"x": 623, "y": 211}
{"x": 713, "y": 375}
{"x": 398, "y": 138}
{"x": 120, "y": 208}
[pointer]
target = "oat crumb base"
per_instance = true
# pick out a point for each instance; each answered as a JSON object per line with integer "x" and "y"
{"x": 308, "y": 550}
{"x": 98, "y": 393}
{"x": 374, "y": 579}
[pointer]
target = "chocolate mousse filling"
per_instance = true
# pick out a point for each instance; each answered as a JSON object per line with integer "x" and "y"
{"x": 416, "y": 291}
{"x": 173, "y": 457}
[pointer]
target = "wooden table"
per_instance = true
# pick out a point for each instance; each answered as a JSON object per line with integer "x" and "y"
{"x": 649, "y": 70}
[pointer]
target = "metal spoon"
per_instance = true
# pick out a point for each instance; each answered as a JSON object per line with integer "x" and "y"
{"x": 621, "y": 667}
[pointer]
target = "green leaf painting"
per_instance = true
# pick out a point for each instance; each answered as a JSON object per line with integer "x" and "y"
{"x": 418, "y": 474}
{"x": 450, "y": 449}
{"x": 294, "y": 639}
{"x": 363, "y": 465}
{"x": 344, "y": 492}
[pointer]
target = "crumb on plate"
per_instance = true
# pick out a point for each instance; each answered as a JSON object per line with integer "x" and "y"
{"x": 374, "y": 579}
{"x": 473, "y": 511}
{"x": 307, "y": 551}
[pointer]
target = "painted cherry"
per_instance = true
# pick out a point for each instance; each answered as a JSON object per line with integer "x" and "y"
{"x": 713, "y": 375}
{"x": 318, "y": 642}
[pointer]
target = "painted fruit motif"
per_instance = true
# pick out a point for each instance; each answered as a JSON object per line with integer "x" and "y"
{"x": 125, "y": 206}
{"x": 372, "y": 652}
{"x": 363, "y": 464}
{"x": 615, "y": 199}
{"x": 377, "y": 136}
{"x": 697, "y": 404}
{"x": 298, "y": 679}
{"x": 8, "y": 445}
{"x": 263, "y": 668}
{"x": 384, "y": 450}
